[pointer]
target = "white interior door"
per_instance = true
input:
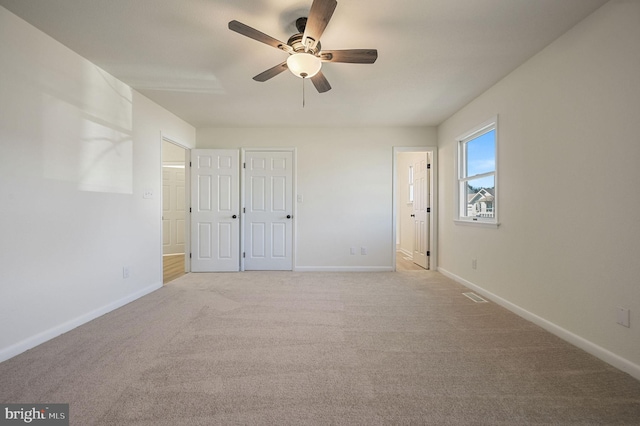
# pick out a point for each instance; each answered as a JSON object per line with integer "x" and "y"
{"x": 215, "y": 210}
{"x": 268, "y": 200}
{"x": 173, "y": 205}
{"x": 421, "y": 211}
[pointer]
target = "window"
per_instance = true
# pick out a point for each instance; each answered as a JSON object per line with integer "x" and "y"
{"x": 477, "y": 175}
{"x": 410, "y": 184}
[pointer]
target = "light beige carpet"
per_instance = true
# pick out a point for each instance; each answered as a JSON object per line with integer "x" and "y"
{"x": 289, "y": 348}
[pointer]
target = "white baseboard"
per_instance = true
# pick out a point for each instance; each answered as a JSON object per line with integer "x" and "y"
{"x": 584, "y": 344}
{"x": 343, "y": 269}
{"x": 49, "y": 334}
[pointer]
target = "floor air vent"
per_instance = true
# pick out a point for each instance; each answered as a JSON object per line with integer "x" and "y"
{"x": 475, "y": 297}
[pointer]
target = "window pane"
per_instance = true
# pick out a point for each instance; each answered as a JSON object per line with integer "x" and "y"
{"x": 481, "y": 154}
{"x": 480, "y": 197}
{"x": 411, "y": 184}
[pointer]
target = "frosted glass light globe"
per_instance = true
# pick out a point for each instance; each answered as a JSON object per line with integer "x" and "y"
{"x": 304, "y": 65}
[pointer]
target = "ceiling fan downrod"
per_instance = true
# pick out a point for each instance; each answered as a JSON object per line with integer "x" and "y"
{"x": 301, "y": 24}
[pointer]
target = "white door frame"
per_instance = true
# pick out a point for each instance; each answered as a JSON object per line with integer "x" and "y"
{"x": 433, "y": 240}
{"x": 187, "y": 198}
{"x": 294, "y": 153}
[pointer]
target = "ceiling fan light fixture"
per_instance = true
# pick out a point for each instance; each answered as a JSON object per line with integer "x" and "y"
{"x": 304, "y": 65}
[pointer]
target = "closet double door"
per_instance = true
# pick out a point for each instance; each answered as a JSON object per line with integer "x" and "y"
{"x": 241, "y": 211}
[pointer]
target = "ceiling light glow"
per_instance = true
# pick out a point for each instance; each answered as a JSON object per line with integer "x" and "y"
{"x": 304, "y": 65}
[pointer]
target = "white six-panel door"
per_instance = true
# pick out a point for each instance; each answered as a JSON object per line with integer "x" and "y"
{"x": 268, "y": 217}
{"x": 420, "y": 212}
{"x": 215, "y": 210}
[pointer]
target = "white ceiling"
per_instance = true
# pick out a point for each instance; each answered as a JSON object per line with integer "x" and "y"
{"x": 434, "y": 56}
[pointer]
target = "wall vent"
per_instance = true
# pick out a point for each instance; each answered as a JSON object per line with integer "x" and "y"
{"x": 475, "y": 297}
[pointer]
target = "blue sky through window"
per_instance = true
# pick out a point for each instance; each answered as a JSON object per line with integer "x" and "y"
{"x": 481, "y": 158}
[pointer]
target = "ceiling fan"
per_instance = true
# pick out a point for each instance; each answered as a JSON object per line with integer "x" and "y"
{"x": 304, "y": 49}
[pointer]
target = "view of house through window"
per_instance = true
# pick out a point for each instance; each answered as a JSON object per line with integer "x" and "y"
{"x": 477, "y": 174}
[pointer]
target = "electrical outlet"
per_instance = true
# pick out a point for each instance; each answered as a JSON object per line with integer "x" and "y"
{"x": 126, "y": 272}
{"x": 624, "y": 317}
{"x": 363, "y": 250}
{"x": 148, "y": 193}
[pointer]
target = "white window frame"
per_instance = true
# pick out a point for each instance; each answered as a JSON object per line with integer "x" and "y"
{"x": 461, "y": 179}
{"x": 410, "y": 185}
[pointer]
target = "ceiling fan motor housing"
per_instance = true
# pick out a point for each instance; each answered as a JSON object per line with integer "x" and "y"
{"x": 295, "y": 41}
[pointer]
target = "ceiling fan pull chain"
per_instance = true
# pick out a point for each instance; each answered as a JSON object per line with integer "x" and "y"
{"x": 303, "y": 79}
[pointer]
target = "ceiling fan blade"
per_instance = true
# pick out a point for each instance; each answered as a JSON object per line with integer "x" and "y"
{"x": 319, "y": 16}
{"x": 271, "y": 72}
{"x": 351, "y": 56}
{"x": 250, "y": 32}
{"x": 320, "y": 82}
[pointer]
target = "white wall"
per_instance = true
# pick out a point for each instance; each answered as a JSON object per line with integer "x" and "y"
{"x": 77, "y": 150}
{"x": 345, "y": 178}
{"x": 566, "y": 252}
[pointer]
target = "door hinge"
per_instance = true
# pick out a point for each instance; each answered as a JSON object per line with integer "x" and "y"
{"x": 428, "y": 253}
{"x": 428, "y": 166}
{"x": 243, "y": 210}
{"x": 243, "y": 255}
{"x": 244, "y": 165}
{"x": 189, "y": 255}
{"x": 189, "y": 209}
{"x": 428, "y": 209}
{"x": 189, "y": 163}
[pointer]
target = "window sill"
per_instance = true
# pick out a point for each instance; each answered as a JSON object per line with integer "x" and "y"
{"x": 476, "y": 223}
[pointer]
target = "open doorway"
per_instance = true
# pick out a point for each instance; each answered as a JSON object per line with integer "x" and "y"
{"x": 174, "y": 208}
{"x": 413, "y": 208}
